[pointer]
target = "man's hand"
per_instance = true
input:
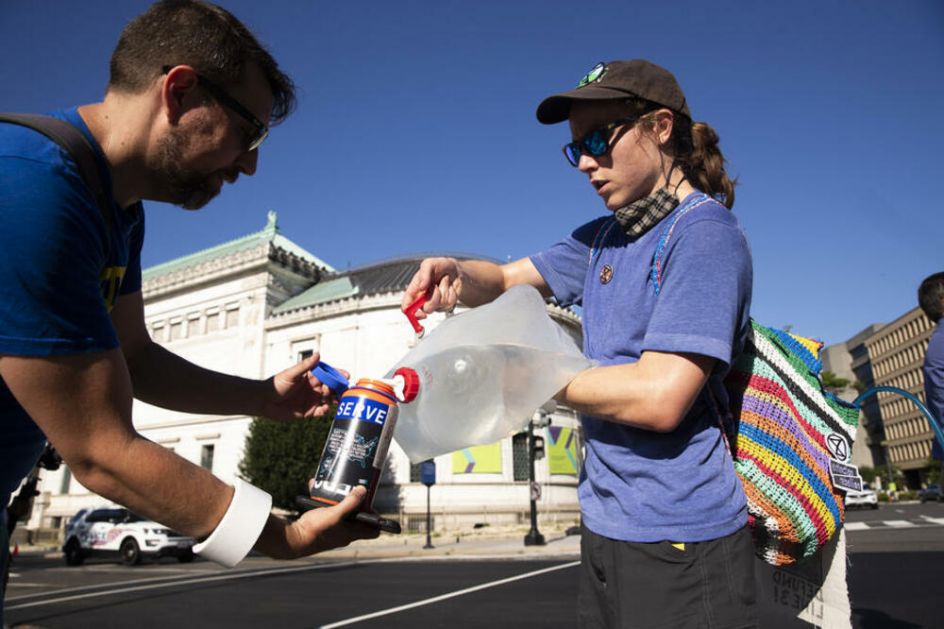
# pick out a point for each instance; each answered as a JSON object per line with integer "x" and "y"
{"x": 316, "y": 531}
{"x": 296, "y": 394}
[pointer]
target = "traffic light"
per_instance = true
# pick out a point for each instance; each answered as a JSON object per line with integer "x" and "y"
{"x": 537, "y": 443}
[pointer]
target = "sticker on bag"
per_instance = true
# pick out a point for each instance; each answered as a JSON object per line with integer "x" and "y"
{"x": 844, "y": 476}
{"x": 838, "y": 446}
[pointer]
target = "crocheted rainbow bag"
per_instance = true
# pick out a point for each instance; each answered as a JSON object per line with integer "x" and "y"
{"x": 792, "y": 440}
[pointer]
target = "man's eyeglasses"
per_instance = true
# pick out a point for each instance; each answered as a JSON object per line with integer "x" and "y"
{"x": 261, "y": 131}
{"x": 595, "y": 143}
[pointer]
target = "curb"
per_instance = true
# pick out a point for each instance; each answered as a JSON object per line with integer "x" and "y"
{"x": 503, "y": 545}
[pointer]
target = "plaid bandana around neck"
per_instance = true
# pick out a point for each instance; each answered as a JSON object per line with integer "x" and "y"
{"x": 640, "y": 216}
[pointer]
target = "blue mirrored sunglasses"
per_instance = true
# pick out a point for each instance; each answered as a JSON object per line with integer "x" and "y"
{"x": 595, "y": 143}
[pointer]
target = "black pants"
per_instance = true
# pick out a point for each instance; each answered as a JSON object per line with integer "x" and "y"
{"x": 706, "y": 585}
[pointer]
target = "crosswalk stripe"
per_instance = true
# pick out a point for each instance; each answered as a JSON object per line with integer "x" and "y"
{"x": 921, "y": 521}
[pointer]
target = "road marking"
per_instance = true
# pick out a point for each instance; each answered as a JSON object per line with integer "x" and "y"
{"x": 153, "y": 569}
{"x": 899, "y": 524}
{"x": 22, "y": 584}
{"x": 436, "y": 599}
{"x": 155, "y": 586}
{"x": 98, "y": 586}
{"x": 921, "y": 521}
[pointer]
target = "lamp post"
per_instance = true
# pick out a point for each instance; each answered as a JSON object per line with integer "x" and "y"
{"x": 535, "y": 451}
{"x": 889, "y": 475}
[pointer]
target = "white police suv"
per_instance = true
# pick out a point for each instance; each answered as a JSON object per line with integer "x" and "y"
{"x": 117, "y": 532}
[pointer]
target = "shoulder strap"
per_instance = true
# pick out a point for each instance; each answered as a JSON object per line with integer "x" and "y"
{"x": 655, "y": 274}
{"x": 722, "y": 416}
{"x": 599, "y": 238}
{"x": 77, "y": 145}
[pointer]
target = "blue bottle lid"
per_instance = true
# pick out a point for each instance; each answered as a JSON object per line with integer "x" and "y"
{"x": 330, "y": 377}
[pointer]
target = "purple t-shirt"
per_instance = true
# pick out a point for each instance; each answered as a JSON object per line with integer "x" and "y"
{"x": 934, "y": 382}
{"x": 639, "y": 485}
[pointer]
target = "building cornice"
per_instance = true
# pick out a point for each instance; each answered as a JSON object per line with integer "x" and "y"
{"x": 376, "y": 301}
{"x": 200, "y": 420}
{"x": 257, "y": 259}
{"x": 326, "y": 310}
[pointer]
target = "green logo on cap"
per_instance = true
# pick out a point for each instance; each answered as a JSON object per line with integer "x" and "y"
{"x": 595, "y": 74}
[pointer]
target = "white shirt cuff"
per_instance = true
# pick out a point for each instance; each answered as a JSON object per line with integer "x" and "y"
{"x": 240, "y": 527}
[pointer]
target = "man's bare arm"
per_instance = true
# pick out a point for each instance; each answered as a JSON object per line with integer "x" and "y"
{"x": 83, "y": 405}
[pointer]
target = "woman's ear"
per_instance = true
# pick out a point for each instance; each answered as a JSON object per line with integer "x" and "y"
{"x": 664, "y": 121}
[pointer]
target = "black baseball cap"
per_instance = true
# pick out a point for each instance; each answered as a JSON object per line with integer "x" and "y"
{"x": 614, "y": 80}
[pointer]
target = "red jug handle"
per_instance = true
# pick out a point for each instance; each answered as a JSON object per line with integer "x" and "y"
{"x": 410, "y": 312}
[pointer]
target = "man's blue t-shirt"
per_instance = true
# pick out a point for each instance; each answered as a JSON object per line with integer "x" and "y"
{"x": 639, "y": 485}
{"x": 60, "y": 273}
{"x": 934, "y": 382}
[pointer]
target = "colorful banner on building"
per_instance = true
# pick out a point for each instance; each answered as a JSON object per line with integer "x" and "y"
{"x": 562, "y": 450}
{"x": 478, "y": 460}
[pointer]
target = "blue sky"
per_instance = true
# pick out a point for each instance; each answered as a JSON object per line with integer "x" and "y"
{"x": 415, "y": 130}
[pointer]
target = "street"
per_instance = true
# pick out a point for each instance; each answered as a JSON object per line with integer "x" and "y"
{"x": 896, "y": 557}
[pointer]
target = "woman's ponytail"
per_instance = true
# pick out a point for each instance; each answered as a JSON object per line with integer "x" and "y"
{"x": 694, "y": 148}
{"x": 698, "y": 154}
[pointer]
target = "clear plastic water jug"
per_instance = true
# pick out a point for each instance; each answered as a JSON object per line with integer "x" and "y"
{"x": 483, "y": 373}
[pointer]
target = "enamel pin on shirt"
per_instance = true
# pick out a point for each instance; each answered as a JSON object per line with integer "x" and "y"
{"x": 606, "y": 274}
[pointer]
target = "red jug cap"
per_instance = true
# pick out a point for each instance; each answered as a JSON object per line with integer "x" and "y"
{"x": 411, "y": 383}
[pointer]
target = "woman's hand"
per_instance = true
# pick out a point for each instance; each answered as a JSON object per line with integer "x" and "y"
{"x": 440, "y": 281}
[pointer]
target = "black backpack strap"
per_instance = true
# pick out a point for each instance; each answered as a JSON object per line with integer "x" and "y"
{"x": 77, "y": 145}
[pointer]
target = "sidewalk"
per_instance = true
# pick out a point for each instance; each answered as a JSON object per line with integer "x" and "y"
{"x": 503, "y": 542}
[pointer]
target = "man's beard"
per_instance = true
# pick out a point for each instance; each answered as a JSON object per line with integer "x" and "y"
{"x": 185, "y": 187}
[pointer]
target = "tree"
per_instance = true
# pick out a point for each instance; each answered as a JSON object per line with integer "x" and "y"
{"x": 280, "y": 457}
{"x": 833, "y": 382}
{"x": 898, "y": 475}
{"x": 934, "y": 472}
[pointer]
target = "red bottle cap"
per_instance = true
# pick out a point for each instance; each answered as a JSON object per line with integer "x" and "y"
{"x": 411, "y": 383}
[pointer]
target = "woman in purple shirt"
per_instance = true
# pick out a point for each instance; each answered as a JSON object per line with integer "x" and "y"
{"x": 665, "y": 542}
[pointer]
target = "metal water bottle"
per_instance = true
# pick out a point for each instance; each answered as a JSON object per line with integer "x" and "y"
{"x": 357, "y": 443}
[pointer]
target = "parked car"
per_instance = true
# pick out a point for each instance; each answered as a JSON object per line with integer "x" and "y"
{"x": 864, "y": 498}
{"x": 931, "y": 492}
{"x": 117, "y": 532}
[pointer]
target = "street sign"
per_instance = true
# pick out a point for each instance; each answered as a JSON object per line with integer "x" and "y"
{"x": 535, "y": 490}
{"x": 428, "y": 472}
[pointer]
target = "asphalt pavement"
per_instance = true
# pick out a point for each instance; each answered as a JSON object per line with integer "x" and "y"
{"x": 483, "y": 578}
